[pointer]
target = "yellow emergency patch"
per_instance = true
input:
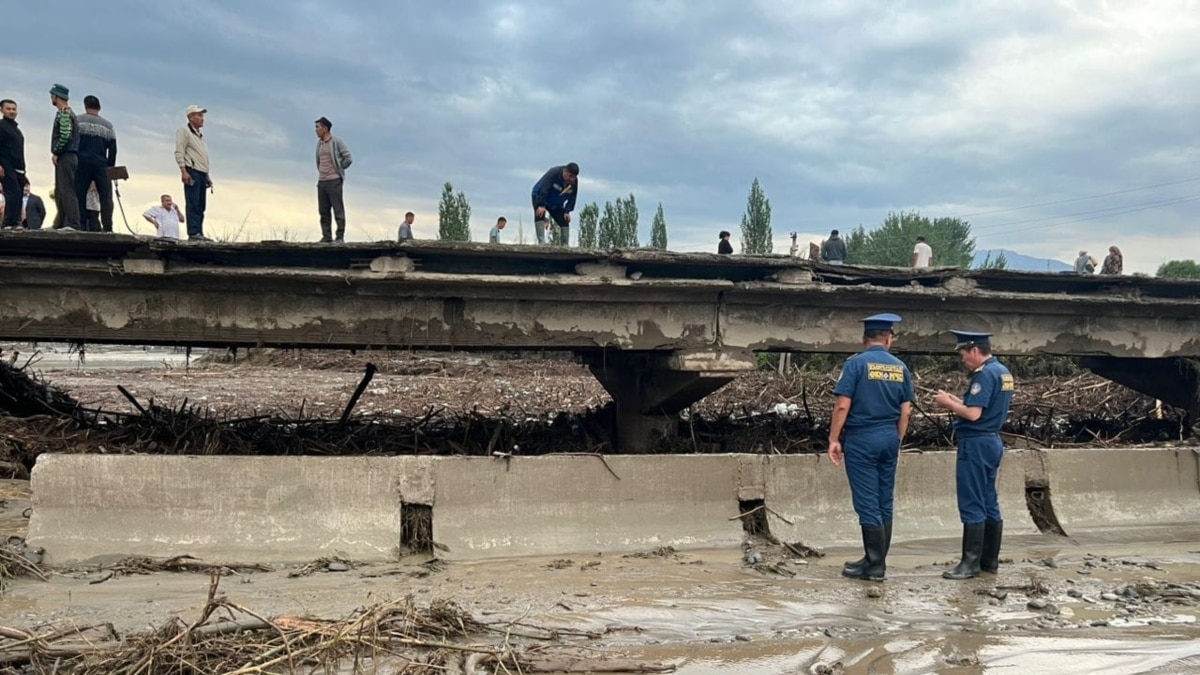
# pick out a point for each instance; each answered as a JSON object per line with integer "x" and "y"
{"x": 1006, "y": 383}
{"x": 885, "y": 372}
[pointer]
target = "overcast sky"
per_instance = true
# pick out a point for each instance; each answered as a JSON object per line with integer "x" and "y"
{"x": 844, "y": 109}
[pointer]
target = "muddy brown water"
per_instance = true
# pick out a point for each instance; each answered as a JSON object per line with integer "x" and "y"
{"x": 708, "y": 612}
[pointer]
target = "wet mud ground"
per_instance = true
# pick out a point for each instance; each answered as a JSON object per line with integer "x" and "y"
{"x": 1118, "y": 601}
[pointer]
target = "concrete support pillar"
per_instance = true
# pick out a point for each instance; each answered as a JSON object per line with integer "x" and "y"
{"x": 1175, "y": 380}
{"x": 650, "y": 389}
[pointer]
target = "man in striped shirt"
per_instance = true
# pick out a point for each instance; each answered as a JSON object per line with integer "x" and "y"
{"x": 97, "y": 152}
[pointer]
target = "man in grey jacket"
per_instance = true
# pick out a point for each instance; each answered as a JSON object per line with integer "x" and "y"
{"x": 833, "y": 250}
{"x": 333, "y": 158}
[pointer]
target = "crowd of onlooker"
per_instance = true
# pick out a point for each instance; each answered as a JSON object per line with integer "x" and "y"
{"x": 832, "y": 251}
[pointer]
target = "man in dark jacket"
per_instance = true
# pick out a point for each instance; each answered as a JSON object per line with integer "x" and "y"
{"x": 34, "y": 208}
{"x": 12, "y": 162}
{"x": 64, "y": 151}
{"x": 723, "y": 246}
{"x": 833, "y": 251}
{"x": 554, "y": 200}
{"x": 97, "y": 152}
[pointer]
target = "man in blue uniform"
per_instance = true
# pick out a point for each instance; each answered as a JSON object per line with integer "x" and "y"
{"x": 979, "y": 415}
{"x": 874, "y": 400}
{"x": 554, "y": 200}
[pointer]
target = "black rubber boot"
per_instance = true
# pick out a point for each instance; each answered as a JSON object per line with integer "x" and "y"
{"x": 972, "y": 549}
{"x": 857, "y": 565}
{"x": 989, "y": 559}
{"x": 874, "y": 543}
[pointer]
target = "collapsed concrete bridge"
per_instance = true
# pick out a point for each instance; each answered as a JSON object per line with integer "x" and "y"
{"x": 659, "y": 330}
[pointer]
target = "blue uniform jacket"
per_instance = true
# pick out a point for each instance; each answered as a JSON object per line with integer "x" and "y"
{"x": 876, "y": 383}
{"x": 991, "y": 388}
{"x": 555, "y": 193}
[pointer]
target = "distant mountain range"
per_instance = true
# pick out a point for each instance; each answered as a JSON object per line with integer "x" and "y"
{"x": 1022, "y": 263}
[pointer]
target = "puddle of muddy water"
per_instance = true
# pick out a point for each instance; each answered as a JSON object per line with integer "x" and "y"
{"x": 965, "y": 655}
{"x": 15, "y": 502}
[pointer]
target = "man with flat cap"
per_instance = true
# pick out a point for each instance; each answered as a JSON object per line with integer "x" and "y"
{"x": 64, "y": 153}
{"x": 870, "y": 419}
{"x": 979, "y": 414}
{"x": 191, "y": 156}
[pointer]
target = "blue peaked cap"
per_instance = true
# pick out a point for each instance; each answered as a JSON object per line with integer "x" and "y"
{"x": 881, "y": 322}
{"x": 966, "y": 338}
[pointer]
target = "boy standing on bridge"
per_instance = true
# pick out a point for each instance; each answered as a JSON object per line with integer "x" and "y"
{"x": 874, "y": 401}
{"x": 494, "y": 235}
{"x": 554, "y": 200}
{"x": 979, "y": 415}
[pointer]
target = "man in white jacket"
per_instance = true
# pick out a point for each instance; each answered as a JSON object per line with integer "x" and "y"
{"x": 333, "y": 158}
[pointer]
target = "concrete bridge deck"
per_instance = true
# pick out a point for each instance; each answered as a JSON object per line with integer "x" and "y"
{"x": 121, "y": 289}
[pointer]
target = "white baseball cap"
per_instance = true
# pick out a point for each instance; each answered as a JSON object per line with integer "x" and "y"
{"x": 192, "y": 109}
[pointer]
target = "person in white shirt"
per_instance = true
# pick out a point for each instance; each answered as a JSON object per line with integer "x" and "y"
{"x": 165, "y": 218}
{"x": 91, "y": 221}
{"x": 922, "y": 254}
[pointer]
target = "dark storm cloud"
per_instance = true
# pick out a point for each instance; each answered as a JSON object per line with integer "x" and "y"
{"x": 844, "y": 110}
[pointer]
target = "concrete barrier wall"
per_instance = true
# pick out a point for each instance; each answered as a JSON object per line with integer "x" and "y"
{"x": 573, "y": 504}
{"x": 267, "y": 509}
{"x": 294, "y": 509}
{"x": 815, "y": 495}
{"x": 1093, "y": 489}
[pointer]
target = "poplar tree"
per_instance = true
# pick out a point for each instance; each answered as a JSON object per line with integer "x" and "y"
{"x": 608, "y": 230}
{"x": 589, "y": 220}
{"x": 454, "y": 215}
{"x": 658, "y": 231}
{"x": 756, "y": 222}
{"x": 627, "y": 219}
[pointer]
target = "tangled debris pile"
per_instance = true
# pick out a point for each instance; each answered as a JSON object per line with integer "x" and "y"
{"x": 19, "y": 560}
{"x": 396, "y": 636}
{"x": 758, "y": 413}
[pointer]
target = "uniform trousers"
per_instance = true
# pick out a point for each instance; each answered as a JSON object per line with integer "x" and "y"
{"x": 871, "y": 456}
{"x": 975, "y": 477}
